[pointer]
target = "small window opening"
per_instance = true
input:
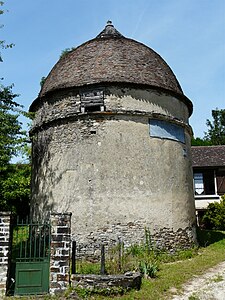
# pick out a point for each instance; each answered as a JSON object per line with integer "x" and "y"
{"x": 92, "y": 108}
{"x": 92, "y": 101}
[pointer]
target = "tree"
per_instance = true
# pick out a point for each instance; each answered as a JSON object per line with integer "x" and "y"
{"x": 199, "y": 142}
{"x": 15, "y": 189}
{"x": 216, "y": 131}
{"x": 11, "y": 134}
{"x": 14, "y": 179}
{"x": 3, "y": 44}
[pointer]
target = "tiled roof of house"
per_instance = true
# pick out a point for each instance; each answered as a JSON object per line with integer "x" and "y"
{"x": 112, "y": 58}
{"x": 208, "y": 156}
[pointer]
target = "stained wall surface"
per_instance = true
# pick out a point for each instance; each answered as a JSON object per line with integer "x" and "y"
{"x": 107, "y": 170}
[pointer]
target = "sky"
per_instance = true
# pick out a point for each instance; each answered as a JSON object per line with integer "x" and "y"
{"x": 188, "y": 34}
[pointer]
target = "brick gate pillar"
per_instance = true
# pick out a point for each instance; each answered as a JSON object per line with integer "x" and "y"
{"x": 4, "y": 249}
{"x": 60, "y": 252}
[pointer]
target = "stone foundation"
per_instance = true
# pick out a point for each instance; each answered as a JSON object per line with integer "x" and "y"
{"x": 169, "y": 240}
{"x": 165, "y": 239}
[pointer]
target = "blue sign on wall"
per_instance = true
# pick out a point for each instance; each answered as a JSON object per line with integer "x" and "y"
{"x": 166, "y": 130}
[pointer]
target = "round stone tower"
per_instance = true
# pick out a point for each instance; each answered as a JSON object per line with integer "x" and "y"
{"x": 111, "y": 144}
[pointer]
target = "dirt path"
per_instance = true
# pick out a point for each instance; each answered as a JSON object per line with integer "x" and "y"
{"x": 210, "y": 286}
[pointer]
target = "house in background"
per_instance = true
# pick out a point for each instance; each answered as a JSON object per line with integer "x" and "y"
{"x": 209, "y": 175}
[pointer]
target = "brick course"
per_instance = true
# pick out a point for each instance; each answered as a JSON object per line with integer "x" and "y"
{"x": 4, "y": 249}
{"x": 60, "y": 252}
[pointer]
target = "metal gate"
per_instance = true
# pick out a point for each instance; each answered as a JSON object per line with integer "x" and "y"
{"x": 31, "y": 253}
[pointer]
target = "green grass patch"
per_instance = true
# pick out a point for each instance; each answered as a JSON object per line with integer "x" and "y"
{"x": 85, "y": 267}
{"x": 193, "y": 297}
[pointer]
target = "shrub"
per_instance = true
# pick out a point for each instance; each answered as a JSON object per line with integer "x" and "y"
{"x": 214, "y": 218}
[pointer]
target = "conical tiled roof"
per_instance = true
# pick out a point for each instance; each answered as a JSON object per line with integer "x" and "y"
{"x": 111, "y": 58}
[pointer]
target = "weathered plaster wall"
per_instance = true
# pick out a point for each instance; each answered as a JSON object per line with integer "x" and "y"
{"x": 114, "y": 178}
{"x": 64, "y": 104}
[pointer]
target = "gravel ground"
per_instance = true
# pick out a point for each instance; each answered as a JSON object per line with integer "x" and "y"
{"x": 210, "y": 286}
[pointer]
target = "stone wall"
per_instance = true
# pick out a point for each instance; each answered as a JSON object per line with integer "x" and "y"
{"x": 60, "y": 252}
{"x": 165, "y": 239}
{"x": 111, "y": 284}
{"x": 4, "y": 249}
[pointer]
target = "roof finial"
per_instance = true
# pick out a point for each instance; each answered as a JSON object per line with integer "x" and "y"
{"x": 109, "y": 31}
{"x": 109, "y": 23}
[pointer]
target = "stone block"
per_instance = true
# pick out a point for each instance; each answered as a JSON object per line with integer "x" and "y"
{"x": 56, "y": 244}
{"x": 54, "y": 269}
{"x": 55, "y": 285}
{"x": 63, "y": 277}
{"x": 63, "y": 230}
